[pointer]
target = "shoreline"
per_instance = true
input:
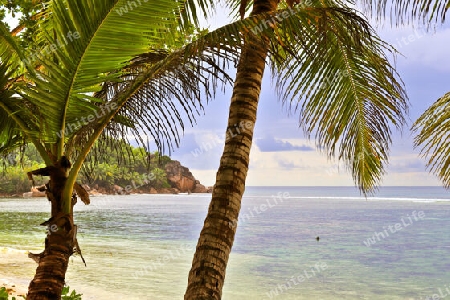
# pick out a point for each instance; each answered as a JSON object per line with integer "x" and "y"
{"x": 16, "y": 196}
{"x": 94, "y": 192}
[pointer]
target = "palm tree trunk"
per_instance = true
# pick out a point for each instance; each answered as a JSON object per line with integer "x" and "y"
{"x": 59, "y": 244}
{"x": 51, "y": 271}
{"x": 207, "y": 275}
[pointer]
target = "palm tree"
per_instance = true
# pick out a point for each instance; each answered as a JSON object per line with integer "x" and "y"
{"x": 92, "y": 70}
{"x": 330, "y": 65}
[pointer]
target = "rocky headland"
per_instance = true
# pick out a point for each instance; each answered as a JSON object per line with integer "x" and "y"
{"x": 178, "y": 177}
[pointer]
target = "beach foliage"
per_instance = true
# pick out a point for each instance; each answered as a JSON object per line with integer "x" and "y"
{"x": 4, "y": 295}
{"x": 66, "y": 294}
{"x": 101, "y": 173}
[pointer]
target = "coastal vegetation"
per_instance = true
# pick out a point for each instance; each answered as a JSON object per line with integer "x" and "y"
{"x": 146, "y": 170}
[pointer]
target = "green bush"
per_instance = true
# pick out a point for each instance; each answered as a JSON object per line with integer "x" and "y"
{"x": 122, "y": 165}
{"x": 67, "y": 295}
{"x": 5, "y": 296}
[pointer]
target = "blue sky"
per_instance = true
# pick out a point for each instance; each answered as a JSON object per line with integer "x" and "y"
{"x": 282, "y": 156}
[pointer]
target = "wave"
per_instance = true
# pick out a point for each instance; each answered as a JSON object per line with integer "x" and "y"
{"x": 9, "y": 250}
{"x": 373, "y": 198}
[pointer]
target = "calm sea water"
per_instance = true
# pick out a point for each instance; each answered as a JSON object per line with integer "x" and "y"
{"x": 394, "y": 245}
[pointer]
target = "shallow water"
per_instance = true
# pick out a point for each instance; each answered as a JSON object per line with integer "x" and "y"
{"x": 141, "y": 246}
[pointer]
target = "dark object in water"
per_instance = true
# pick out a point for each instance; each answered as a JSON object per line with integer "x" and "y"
{"x": 317, "y": 238}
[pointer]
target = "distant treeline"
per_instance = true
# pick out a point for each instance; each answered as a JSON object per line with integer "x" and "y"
{"x": 121, "y": 164}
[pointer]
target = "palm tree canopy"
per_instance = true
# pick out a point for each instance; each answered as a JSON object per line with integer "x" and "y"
{"x": 433, "y": 125}
{"x": 340, "y": 81}
{"x": 327, "y": 61}
{"x": 84, "y": 48}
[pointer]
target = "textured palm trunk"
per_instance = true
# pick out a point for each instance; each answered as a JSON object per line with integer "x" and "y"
{"x": 207, "y": 275}
{"x": 59, "y": 246}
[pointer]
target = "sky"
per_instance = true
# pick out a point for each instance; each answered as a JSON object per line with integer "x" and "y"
{"x": 282, "y": 156}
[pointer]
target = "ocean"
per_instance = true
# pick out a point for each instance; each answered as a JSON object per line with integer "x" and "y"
{"x": 392, "y": 245}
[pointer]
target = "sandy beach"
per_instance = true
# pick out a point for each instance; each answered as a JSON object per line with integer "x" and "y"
{"x": 16, "y": 287}
{"x": 14, "y": 282}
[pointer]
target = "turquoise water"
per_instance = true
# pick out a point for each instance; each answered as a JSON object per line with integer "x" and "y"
{"x": 394, "y": 245}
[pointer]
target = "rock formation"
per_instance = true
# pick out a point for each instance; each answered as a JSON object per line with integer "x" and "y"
{"x": 180, "y": 177}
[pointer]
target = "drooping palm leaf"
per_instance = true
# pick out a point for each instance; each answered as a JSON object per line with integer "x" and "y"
{"x": 10, "y": 51}
{"x": 434, "y": 137}
{"x": 405, "y": 11}
{"x": 347, "y": 92}
{"x": 152, "y": 98}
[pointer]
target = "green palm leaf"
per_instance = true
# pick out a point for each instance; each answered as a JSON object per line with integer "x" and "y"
{"x": 89, "y": 41}
{"x": 434, "y": 138}
{"x": 10, "y": 51}
{"x": 407, "y": 10}
{"x": 346, "y": 91}
{"x": 157, "y": 87}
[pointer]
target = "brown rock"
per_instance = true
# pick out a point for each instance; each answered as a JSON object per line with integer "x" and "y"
{"x": 180, "y": 177}
{"x": 199, "y": 188}
{"x": 118, "y": 189}
{"x": 168, "y": 191}
{"x": 37, "y": 193}
{"x": 94, "y": 192}
{"x": 153, "y": 191}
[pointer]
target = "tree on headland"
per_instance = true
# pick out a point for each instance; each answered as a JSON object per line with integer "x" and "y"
{"x": 80, "y": 73}
{"x": 330, "y": 66}
{"x": 100, "y": 173}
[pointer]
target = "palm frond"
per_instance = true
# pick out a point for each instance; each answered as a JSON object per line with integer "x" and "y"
{"x": 406, "y": 11}
{"x": 160, "y": 91}
{"x": 434, "y": 138}
{"x": 89, "y": 40}
{"x": 190, "y": 12}
{"x": 16, "y": 118}
{"x": 12, "y": 126}
{"x": 10, "y": 51}
{"x": 334, "y": 71}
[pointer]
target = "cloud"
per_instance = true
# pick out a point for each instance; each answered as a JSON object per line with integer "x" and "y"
{"x": 408, "y": 165}
{"x": 270, "y": 144}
